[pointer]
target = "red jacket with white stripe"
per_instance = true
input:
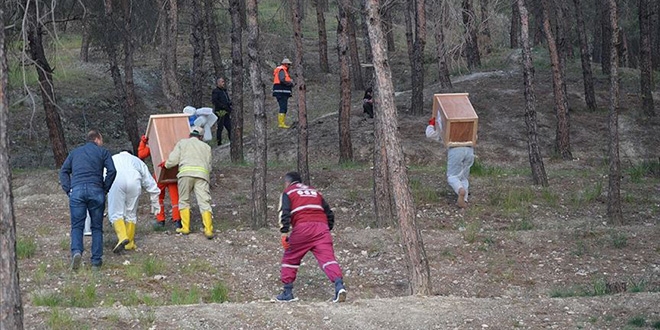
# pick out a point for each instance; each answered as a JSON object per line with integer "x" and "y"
{"x": 301, "y": 203}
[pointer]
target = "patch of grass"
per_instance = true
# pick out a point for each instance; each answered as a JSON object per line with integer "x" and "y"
{"x": 60, "y": 320}
{"x": 550, "y": 197}
{"x": 637, "y": 321}
{"x": 656, "y": 325}
{"x": 197, "y": 266}
{"x": 352, "y": 165}
{"x": 619, "y": 240}
{"x": 643, "y": 169}
{"x": 25, "y": 247}
{"x": 448, "y": 253}
{"x": 219, "y": 293}
{"x": 423, "y": 193}
{"x": 80, "y": 296}
{"x": 481, "y": 169}
{"x": 522, "y": 224}
{"x": 153, "y": 266}
{"x": 50, "y": 299}
{"x": 471, "y": 232}
{"x": 588, "y": 195}
{"x": 598, "y": 288}
{"x": 353, "y": 195}
{"x": 181, "y": 296}
{"x": 40, "y": 274}
{"x": 512, "y": 201}
{"x": 64, "y": 244}
{"x": 638, "y": 285}
{"x": 564, "y": 292}
{"x": 580, "y": 249}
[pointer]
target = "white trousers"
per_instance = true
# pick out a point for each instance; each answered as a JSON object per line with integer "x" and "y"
{"x": 459, "y": 161}
{"x": 123, "y": 199}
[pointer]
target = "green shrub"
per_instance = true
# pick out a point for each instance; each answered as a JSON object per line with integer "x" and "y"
{"x": 219, "y": 293}
{"x": 25, "y": 247}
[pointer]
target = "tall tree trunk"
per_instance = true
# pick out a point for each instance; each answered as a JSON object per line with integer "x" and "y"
{"x": 562, "y": 139}
{"x": 345, "y": 145}
{"x": 537, "y": 14}
{"x": 388, "y": 27}
{"x": 84, "y": 45}
{"x": 169, "y": 30}
{"x": 606, "y": 36}
{"x": 197, "y": 42}
{"x": 535, "y": 160}
{"x": 298, "y": 66}
{"x": 417, "y": 63}
{"x": 645, "y": 60}
{"x": 587, "y": 75}
{"x": 471, "y": 41}
{"x": 130, "y": 117}
{"x": 656, "y": 41}
{"x": 440, "y": 19}
{"x": 259, "y": 209}
{"x": 236, "y": 81}
{"x": 485, "y": 26}
{"x": 384, "y": 208}
{"x": 410, "y": 36}
{"x": 211, "y": 32}
{"x": 563, "y": 30}
{"x": 597, "y": 45}
{"x": 323, "y": 35}
{"x": 514, "y": 32}
{"x": 418, "y": 265}
{"x": 368, "y": 58}
{"x": 356, "y": 68}
{"x": 45, "y": 74}
{"x": 614, "y": 190}
{"x": 11, "y": 306}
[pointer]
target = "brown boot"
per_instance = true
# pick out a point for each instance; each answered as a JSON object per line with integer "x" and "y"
{"x": 461, "y": 198}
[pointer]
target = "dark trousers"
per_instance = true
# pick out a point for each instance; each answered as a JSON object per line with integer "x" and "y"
{"x": 283, "y": 102}
{"x": 368, "y": 108}
{"x": 83, "y": 198}
{"x": 224, "y": 121}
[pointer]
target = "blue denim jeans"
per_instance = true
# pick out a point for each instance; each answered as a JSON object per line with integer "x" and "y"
{"x": 283, "y": 102}
{"x": 84, "y": 198}
{"x": 459, "y": 161}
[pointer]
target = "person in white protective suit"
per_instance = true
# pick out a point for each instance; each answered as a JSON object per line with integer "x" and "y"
{"x": 202, "y": 117}
{"x": 132, "y": 176}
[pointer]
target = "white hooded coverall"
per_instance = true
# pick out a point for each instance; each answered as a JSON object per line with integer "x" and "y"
{"x": 459, "y": 161}
{"x": 132, "y": 175}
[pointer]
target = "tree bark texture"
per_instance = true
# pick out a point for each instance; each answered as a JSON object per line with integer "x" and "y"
{"x": 514, "y": 32}
{"x": 563, "y": 29}
{"x": 84, "y": 45}
{"x": 485, "y": 27}
{"x": 384, "y": 208}
{"x": 417, "y": 101}
{"x": 645, "y": 59}
{"x": 368, "y": 58}
{"x": 236, "y": 82}
{"x": 259, "y": 206}
{"x": 562, "y": 139}
{"x": 356, "y": 68}
{"x": 323, "y": 37}
{"x": 440, "y": 13}
{"x": 345, "y": 145}
{"x": 471, "y": 41}
{"x": 130, "y": 116}
{"x": 614, "y": 213}
{"x": 597, "y": 35}
{"x": 587, "y": 74}
{"x": 537, "y": 13}
{"x": 298, "y": 67}
{"x": 169, "y": 29}
{"x": 418, "y": 265}
{"x": 606, "y": 37}
{"x": 408, "y": 19}
{"x": 211, "y": 32}
{"x": 11, "y": 306}
{"x": 535, "y": 160}
{"x": 197, "y": 43}
{"x": 388, "y": 27}
{"x": 45, "y": 76}
{"x": 656, "y": 28}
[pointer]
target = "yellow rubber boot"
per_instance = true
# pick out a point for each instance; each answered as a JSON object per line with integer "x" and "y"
{"x": 280, "y": 120}
{"x": 130, "y": 232}
{"x": 207, "y": 220}
{"x": 122, "y": 238}
{"x": 185, "y": 221}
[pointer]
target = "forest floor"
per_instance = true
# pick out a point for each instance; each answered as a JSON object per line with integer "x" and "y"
{"x": 520, "y": 256}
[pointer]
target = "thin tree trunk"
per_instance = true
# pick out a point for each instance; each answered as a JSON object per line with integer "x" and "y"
{"x": 535, "y": 160}
{"x": 259, "y": 206}
{"x": 471, "y": 41}
{"x": 587, "y": 75}
{"x": 562, "y": 139}
{"x": 656, "y": 41}
{"x": 11, "y": 306}
{"x": 130, "y": 117}
{"x": 168, "y": 27}
{"x": 368, "y": 58}
{"x": 45, "y": 74}
{"x": 441, "y": 48}
{"x": 606, "y": 36}
{"x": 597, "y": 45}
{"x": 537, "y": 13}
{"x": 514, "y": 32}
{"x": 211, "y": 32}
{"x": 356, "y": 68}
{"x": 298, "y": 66}
{"x": 236, "y": 81}
{"x": 418, "y": 265}
{"x": 614, "y": 190}
{"x": 387, "y": 26}
{"x": 84, "y": 45}
{"x": 417, "y": 102}
{"x": 485, "y": 29}
{"x": 410, "y": 36}
{"x": 384, "y": 208}
{"x": 197, "y": 42}
{"x": 622, "y": 49}
{"x": 345, "y": 145}
{"x": 563, "y": 30}
{"x": 645, "y": 60}
{"x": 323, "y": 36}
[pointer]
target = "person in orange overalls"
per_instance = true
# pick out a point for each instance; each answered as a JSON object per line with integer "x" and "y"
{"x": 143, "y": 153}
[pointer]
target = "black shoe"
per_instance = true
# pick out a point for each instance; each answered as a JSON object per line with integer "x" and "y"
{"x": 75, "y": 261}
{"x": 120, "y": 246}
{"x": 177, "y": 224}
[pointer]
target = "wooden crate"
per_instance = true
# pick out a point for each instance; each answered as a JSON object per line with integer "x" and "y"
{"x": 164, "y": 131}
{"x": 458, "y": 118}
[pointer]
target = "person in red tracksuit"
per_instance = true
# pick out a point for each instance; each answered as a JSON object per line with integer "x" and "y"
{"x": 305, "y": 224}
{"x": 143, "y": 153}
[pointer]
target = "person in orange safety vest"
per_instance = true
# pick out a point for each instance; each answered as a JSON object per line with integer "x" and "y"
{"x": 282, "y": 85}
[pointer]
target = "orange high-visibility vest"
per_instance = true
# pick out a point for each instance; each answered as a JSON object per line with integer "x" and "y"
{"x": 276, "y": 75}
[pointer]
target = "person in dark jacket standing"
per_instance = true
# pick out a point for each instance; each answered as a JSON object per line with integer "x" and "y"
{"x": 282, "y": 85}
{"x": 222, "y": 103}
{"x": 305, "y": 224}
{"x": 81, "y": 177}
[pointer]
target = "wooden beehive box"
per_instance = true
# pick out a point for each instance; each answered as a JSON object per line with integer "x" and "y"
{"x": 164, "y": 131}
{"x": 458, "y": 118}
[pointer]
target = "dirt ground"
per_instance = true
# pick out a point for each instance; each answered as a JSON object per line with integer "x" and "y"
{"x": 520, "y": 256}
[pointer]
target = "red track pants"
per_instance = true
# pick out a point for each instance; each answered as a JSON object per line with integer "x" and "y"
{"x": 309, "y": 236}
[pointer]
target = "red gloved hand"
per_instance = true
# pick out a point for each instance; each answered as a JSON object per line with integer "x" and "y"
{"x": 432, "y": 121}
{"x": 162, "y": 164}
{"x": 285, "y": 242}
{"x": 144, "y": 139}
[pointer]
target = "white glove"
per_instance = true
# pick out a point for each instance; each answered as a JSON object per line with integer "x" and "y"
{"x": 155, "y": 209}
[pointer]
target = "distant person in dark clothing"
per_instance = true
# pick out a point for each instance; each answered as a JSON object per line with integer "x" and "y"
{"x": 81, "y": 177}
{"x": 368, "y": 103}
{"x": 222, "y": 104}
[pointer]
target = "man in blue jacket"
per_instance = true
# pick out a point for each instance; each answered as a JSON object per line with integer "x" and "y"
{"x": 81, "y": 177}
